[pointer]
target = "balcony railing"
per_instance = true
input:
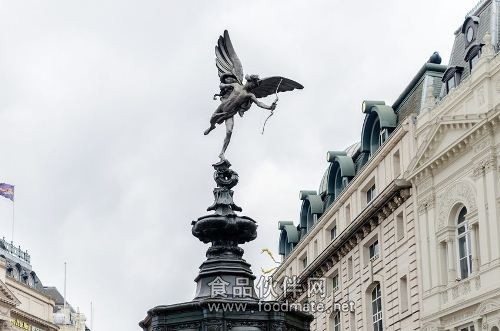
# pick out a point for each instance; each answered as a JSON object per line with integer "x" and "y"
{"x": 16, "y": 251}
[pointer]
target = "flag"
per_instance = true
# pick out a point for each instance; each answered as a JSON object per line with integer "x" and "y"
{"x": 7, "y": 191}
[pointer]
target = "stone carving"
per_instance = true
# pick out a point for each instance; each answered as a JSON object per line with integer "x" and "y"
{"x": 193, "y": 326}
{"x": 458, "y": 193}
{"x": 485, "y": 165}
{"x": 459, "y": 317}
{"x": 256, "y": 324}
{"x": 482, "y": 144}
{"x": 426, "y": 203}
{"x": 278, "y": 326}
{"x": 487, "y": 306}
{"x": 430, "y": 327}
{"x": 488, "y": 50}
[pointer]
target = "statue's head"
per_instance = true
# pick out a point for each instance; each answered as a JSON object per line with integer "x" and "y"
{"x": 252, "y": 81}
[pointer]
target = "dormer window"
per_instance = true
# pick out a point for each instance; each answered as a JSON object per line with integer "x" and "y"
{"x": 473, "y": 55}
{"x": 469, "y": 30}
{"x": 451, "y": 84}
{"x": 451, "y": 77}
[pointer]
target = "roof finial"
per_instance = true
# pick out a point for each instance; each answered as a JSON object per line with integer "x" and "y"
{"x": 435, "y": 58}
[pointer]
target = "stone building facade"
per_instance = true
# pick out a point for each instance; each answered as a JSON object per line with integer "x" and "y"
{"x": 27, "y": 305}
{"x": 405, "y": 224}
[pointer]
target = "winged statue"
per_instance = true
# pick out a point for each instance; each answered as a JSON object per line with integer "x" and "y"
{"x": 236, "y": 95}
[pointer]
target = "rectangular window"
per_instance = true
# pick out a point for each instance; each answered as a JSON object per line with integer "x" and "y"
{"x": 315, "y": 248}
{"x": 400, "y": 226}
{"x": 370, "y": 194}
{"x": 373, "y": 249}
{"x": 332, "y": 283}
{"x": 403, "y": 293}
{"x": 348, "y": 214}
{"x": 377, "y": 309}
{"x": 336, "y": 322}
{"x": 464, "y": 246}
{"x": 304, "y": 262}
{"x": 349, "y": 268}
{"x": 396, "y": 164}
{"x": 333, "y": 233}
{"x": 335, "y": 282}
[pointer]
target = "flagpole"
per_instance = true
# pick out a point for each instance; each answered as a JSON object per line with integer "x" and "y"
{"x": 65, "y": 287}
{"x": 13, "y": 217}
{"x": 91, "y": 316}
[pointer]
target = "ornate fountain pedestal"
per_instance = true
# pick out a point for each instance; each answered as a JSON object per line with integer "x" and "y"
{"x": 225, "y": 297}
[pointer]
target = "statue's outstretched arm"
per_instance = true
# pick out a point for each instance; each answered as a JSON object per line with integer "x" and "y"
{"x": 263, "y": 105}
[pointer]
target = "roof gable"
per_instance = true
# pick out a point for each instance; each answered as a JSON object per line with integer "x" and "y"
{"x": 445, "y": 134}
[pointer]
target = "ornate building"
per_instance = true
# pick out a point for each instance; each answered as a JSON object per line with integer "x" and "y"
{"x": 25, "y": 304}
{"x": 405, "y": 224}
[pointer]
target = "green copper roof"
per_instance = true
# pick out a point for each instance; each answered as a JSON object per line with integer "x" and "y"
{"x": 386, "y": 115}
{"x": 291, "y": 231}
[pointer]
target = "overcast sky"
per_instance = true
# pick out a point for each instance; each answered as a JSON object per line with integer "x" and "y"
{"x": 103, "y": 105}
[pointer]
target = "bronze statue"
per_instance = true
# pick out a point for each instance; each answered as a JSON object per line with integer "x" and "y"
{"x": 236, "y": 97}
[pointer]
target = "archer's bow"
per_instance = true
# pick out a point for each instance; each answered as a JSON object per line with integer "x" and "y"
{"x": 274, "y": 103}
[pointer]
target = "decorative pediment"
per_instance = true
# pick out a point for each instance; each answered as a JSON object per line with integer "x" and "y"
{"x": 447, "y": 137}
{"x": 488, "y": 306}
{"x": 7, "y": 297}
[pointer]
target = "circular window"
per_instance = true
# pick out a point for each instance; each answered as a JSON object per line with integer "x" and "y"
{"x": 470, "y": 33}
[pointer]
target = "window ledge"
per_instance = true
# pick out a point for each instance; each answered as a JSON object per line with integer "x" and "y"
{"x": 374, "y": 258}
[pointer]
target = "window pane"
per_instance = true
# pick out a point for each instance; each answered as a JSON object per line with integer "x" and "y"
{"x": 333, "y": 233}
{"x": 461, "y": 216}
{"x": 464, "y": 270}
{"x": 461, "y": 247}
{"x": 451, "y": 83}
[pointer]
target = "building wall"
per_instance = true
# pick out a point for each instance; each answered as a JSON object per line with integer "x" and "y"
{"x": 449, "y": 151}
{"x": 32, "y": 302}
{"x": 458, "y": 166}
{"x": 397, "y": 257}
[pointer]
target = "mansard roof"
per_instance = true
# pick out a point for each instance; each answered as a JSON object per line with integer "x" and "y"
{"x": 484, "y": 18}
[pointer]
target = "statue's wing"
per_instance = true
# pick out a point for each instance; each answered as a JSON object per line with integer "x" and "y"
{"x": 268, "y": 86}
{"x": 226, "y": 60}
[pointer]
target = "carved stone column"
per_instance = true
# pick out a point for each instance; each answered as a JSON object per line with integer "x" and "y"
{"x": 475, "y": 246}
{"x": 477, "y": 324}
{"x": 443, "y": 275}
{"x": 452, "y": 273}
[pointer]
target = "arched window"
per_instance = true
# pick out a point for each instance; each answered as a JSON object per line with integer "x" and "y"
{"x": 335, "y": 321}
{"x": 464, "y": 245}
{"x": 377, "y": 309}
